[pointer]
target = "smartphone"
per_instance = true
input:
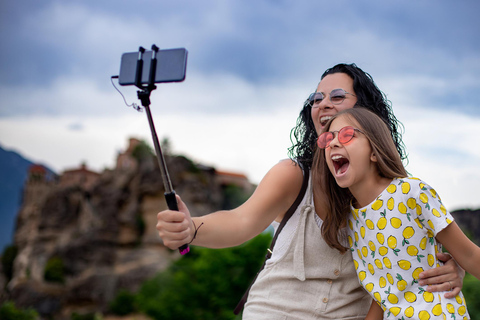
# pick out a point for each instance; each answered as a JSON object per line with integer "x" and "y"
{"x": 171, "y": 66}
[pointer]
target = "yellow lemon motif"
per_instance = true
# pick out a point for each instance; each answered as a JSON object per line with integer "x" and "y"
{"x": 395, "y": 310}
{"x": 433, "y": 193}
{"x": 380, "y": 238}
{"x": 359, "y": 254}
{"x": 377, "y": 297}
{"x": 423, "y": 315}
{"x": 458, "y": 299}
{"x": 350, "y": 224}
{"x": 350, "y": 241}
{"x": 369, "y": 287}
{"x": 410, "y": 296}
{"x": 392, "y": 242}
{"x": 378, "y": 263}
{"x": 377, "y": 204}
{"x": 355, "y": 214}
{"x": 371, "y": 245}
{"x": 382, "y": 282}
{"x": 390, "y": 278}
{"x": 387, "y": 262}
{"x": 401, "y": 285}
{"x": 393, "y": 299}
{"x": 462, "y": 310}
{"x": 423, "y": 197}
{"x": 364, "y": 251}
{"x": 404, "y": 264}
{"x": 356, "y": 236}
{"x": 391, "y": 188}
{"x": 402, "y": 208}
{"x": 383, "y": 251}
{"x": 405, "y": 187}
{"x": 436, "y": 213}
{"x": 430, "y": 260}
{"x": 412, "y": 250}
{"x": 430, "y": 224}
{"x": 371, "y": 269}
{"x": 408, "y": 232}
{"x": 448, "y": 220}
{"x": 416, "y": 273}
{"x": 420, "y": 225}
{"x": 427, "y": 296}
{"x": 362, "y": 232}
{"x": 409, "y": 312}
{"x": 423, "y": 243}
{"x": 370, "y": 224}
{"x": 391, "y": 204}
{"x": 382, "y": 223}
{"x": 442, "y": 208}
{"x": 450, "y": 308}
{"x": 362, "y": 275}
{"x": 437, "y": 309}
{"x": 419, "y": 210}
{"x": 411, "y": 203}
{"x": 356, "y": 264}
{"x": 396, "y": 223}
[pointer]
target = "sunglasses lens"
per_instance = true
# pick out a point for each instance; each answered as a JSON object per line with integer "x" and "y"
{"x": 337, "y": 96}
{"x": 346, "y": 134}
{"x": 324, "y": 140}
{"x": 317, "y": 97}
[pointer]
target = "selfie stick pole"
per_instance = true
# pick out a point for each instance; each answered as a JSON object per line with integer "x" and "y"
{"x": 144, "y": 96}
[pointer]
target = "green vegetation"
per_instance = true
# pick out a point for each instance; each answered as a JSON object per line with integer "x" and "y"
{"x": 233, "y": 196}
{"x": 8, "y": 311}
{"x": 123, "y": 304}
{"x": 54, "y": 270}
{"x": 471, "y": 291}
{"x": 142, "y": 151}
{"x": 8, "y": 257}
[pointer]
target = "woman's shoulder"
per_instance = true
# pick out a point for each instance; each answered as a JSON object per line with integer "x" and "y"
{"x": 284, "y": 174}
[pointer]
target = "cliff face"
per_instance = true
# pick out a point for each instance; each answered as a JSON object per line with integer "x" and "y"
{"x": 101, "y": 239}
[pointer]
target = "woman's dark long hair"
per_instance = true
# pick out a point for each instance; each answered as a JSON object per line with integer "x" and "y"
{"x": 304, "y": 135}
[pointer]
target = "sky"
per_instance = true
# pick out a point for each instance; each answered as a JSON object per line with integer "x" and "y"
{"x": 250, "y": 67}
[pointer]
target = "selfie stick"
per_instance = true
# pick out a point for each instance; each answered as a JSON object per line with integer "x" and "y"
{"x": 144, "y": 96}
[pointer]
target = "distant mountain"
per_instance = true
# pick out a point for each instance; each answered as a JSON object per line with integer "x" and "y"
{"x": 13, "y": 172}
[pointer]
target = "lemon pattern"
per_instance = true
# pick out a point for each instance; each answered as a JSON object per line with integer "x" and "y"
{"x": 397, "y": 243}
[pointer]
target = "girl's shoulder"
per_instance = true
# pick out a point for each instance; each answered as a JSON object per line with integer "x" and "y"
{"x": 410, "y": 185}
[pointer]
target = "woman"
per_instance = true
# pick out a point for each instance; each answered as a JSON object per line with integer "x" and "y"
{"x": 304, "y": 278}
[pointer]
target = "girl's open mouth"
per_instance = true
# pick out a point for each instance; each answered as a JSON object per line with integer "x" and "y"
{"x": 340, "y": 164}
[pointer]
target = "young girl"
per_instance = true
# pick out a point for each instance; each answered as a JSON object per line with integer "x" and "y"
{"x": 396, "y": 224}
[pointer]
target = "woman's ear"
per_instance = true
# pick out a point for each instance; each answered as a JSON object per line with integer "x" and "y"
{"x": 373, "y": 157}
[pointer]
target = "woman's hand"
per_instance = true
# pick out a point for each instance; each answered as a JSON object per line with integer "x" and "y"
{"x": 175, "y": 227}
{"x": 448, "y": 277}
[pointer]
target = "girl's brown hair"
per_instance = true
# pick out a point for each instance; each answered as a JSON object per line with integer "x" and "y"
{"x": 337, "y": 202}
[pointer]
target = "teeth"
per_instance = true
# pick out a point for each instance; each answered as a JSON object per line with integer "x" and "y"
{"x": 325, "y": 119}
{"x": 337, "y": 157}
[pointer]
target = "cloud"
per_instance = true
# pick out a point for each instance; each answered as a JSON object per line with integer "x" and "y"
{"x": 250, "y": 67}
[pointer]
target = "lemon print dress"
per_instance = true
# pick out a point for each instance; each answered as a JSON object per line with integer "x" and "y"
{"x": 392, "y": 241}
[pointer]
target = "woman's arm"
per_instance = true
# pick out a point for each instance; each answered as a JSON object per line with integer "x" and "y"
{"x": 274, "y": 195}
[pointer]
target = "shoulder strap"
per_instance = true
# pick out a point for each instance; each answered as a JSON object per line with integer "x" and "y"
{"x": 287, "y": 216}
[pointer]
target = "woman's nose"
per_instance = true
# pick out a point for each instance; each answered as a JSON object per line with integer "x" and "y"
{"x": 325, "y": 104}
